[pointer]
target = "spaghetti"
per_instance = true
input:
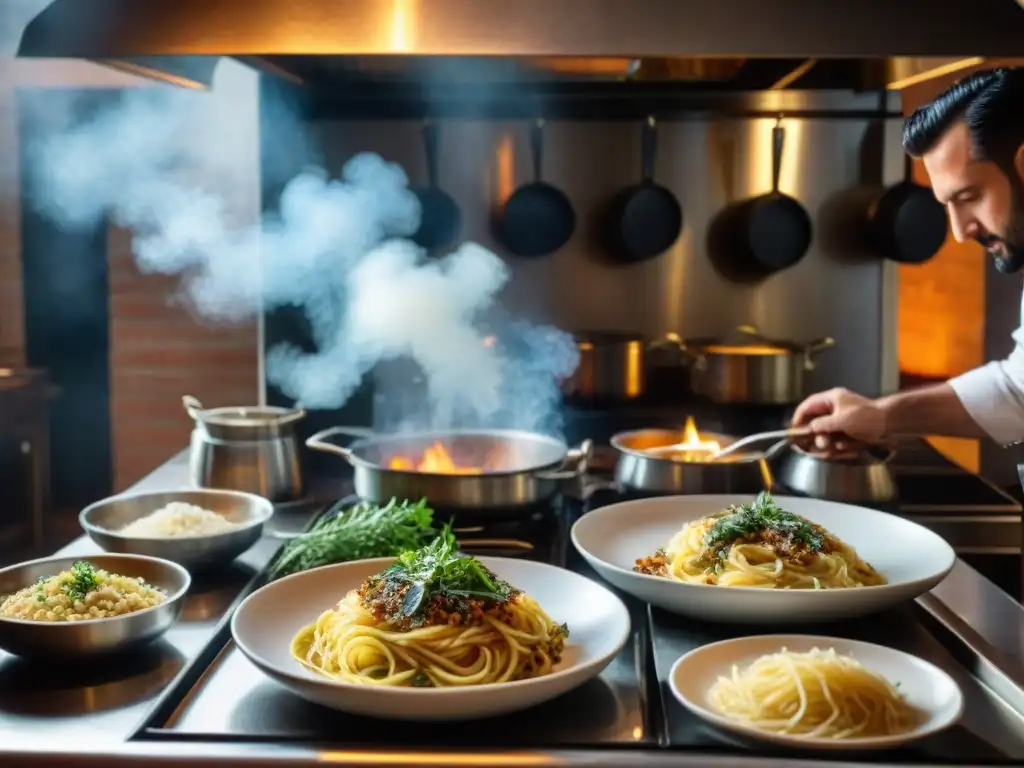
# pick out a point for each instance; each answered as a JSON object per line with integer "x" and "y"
{"x": 760, "y": 545}
{"x": 817, "y": 694}
{"x": 435, "y": 618}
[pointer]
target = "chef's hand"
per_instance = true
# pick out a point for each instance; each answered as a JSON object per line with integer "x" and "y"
{"x": 841, "y": 419}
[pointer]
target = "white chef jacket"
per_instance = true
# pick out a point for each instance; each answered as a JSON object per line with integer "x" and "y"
{"x": 994, "y": 394}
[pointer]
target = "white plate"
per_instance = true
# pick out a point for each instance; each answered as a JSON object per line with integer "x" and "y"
{"x": 267, "y": 620}
{"x": 911, "y": 557}
{"x": 925, "y": 686}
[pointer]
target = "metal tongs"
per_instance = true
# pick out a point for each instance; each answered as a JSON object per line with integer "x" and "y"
{"x": 781, "y": 436}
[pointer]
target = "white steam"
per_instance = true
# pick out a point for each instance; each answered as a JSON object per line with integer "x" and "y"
{"x": 337, "y": 249}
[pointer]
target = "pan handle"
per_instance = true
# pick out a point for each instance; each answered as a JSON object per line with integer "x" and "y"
{"x": 537, "y": 146}
{"x": 577, "y": 458}
{"x": 318, "y": 442}
{"x": 430, "y": 143}
{"x": 778, "y": 145}
{"x": 648, "y": 149}
{"x": 193, "y": 407}
{"x": 814, "y": 348}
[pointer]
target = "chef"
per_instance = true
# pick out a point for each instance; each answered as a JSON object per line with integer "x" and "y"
{"x": 971, "y": 139}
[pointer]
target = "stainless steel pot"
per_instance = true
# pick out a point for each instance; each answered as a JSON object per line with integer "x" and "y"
{"x": 863, "y": 478}
{"x": 246, "y": 449}
{"x": 652, "y": 473}
{"x": 517, "y": 469}
{"x": 614, "y": 366}
{"x": 747, "y": 367}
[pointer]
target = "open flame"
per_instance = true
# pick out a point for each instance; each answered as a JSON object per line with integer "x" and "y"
{"x": 436, "y": 460}
{"x": 693, "y": 447}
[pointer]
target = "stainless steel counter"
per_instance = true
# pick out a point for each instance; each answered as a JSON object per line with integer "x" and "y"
{"x": 84, "y": 717}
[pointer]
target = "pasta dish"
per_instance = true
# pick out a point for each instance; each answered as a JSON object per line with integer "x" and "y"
{"x": 80, "y": 593}
{"x": 434, "y": 618}
{"x": 818, "y": 694}
{"x": 759, "y": 545}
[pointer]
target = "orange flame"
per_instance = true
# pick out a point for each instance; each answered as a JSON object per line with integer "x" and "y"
{"x": 693, "y": 447}
{"x": 436, "y": 460}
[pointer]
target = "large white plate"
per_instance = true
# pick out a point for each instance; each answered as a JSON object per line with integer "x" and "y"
{"x": 267, "y": 620}
{"x": 926, "y": 687}
{"x": 911, "y": 557}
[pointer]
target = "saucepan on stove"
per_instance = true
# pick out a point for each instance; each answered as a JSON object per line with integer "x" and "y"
{"x": 614, "y": 366}
{"x": 861, "y": 476}
{"x": 457, "y": 469}
{"x": 644, "y": 466}
{"x": 747, "y": 367}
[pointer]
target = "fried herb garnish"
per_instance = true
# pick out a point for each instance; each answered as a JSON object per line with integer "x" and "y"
{"x": 763, "y": 515}
{"x": 364, "y": 531}
{"x": 438, "y": 572}
{"x": 85, "y": 580}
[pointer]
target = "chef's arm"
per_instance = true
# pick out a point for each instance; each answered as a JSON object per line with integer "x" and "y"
{"x": 933, "y": 410}
{"x": 985, "y": 402}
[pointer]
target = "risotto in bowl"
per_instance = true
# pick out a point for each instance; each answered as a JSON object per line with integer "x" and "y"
{"x": 80, "y": 606}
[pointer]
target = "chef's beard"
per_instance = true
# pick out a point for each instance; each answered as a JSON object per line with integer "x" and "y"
{"x": 1008, "y": 252}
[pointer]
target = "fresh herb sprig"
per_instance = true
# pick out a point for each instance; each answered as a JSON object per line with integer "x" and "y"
{"x": 440, "y": 568}
{"x": 762, "y": 514}
{"x": 366, "y": 530}
{"x": 85, "y": 580}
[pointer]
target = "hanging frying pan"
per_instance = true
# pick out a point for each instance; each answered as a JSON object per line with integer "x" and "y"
{"x": 441, "y": 219}
{"x": 907, "y": 224}
{"x": 538, "y": 218}
{"x": 646, "y": 218}
{"x": 764, "y": 234}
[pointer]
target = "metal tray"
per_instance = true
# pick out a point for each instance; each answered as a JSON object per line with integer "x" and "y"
{"x": 222, "y": 696}
{"x": 990, "y": 733}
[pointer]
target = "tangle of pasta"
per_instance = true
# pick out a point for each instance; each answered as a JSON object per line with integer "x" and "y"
{"x": 737, "y": 548}
{"x": 817, "y": 694}
{"x": 512, "y": 640}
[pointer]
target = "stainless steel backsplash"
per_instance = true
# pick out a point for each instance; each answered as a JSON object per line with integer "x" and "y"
{"x": 838, "y": 289}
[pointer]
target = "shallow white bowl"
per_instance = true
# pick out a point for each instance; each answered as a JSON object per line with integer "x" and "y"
{"x": 925, "y": 686}
{"x": 910, "y": 556}
{"x": 267, "y": 620}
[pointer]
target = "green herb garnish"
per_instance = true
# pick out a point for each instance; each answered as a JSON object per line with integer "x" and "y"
{"x": 84, "y": 580}
{"x": 763, "y": 515}
{"x": 364, "y": 531}
{"x": 404, "y": 591}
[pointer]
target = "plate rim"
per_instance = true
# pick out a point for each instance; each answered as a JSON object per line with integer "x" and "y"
{"x": 938, "y": 576}
{"x": 618, "y": 606}
{"x": 817, "y": 742}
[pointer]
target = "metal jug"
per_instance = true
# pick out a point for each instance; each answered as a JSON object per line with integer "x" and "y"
{"x": 252, "y": 449}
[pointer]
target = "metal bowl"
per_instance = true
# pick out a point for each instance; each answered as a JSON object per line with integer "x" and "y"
{"x": 58, "y": 640}
{"x": 105, "y": 518}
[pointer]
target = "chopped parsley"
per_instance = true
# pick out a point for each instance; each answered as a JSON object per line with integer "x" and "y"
{"x": 84, "y": 580}
{"x": 760, "y": 516}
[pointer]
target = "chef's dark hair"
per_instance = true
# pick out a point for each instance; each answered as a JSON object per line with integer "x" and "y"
{"x": 990, "y": 102}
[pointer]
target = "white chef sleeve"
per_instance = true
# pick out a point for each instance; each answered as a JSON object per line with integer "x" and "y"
{"x": 993, "y": 394}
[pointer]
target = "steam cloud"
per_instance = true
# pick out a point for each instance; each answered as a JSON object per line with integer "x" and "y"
{"x": 337, "y": 249}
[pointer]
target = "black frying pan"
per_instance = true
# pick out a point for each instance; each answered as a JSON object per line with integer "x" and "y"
{"x": 441, "y": 219}
{"x": 646, "y": 218}
{"x": 538, "y": 218}
{"x": 907, "y": 224}
{"x": 773, "y": 231}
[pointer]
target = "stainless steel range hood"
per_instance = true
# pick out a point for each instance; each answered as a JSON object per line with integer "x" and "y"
{"x": 313, "y": 41}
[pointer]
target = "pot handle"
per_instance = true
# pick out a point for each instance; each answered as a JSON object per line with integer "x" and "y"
{"x": 192, "y": 407}
{"x": 675, "y": 341}
{"x": 577, "y": 458}
{"x": 814, "y": 348}
{"x": 318, "y": 442}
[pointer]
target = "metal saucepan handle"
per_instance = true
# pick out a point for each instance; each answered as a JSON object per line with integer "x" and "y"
{"x": 192, "y": 407}
{"x": 814, "y": 348}
{"x": 785, "y": 434}
{"x": 577, "y": 458}
{"x": 318, "y": 442}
